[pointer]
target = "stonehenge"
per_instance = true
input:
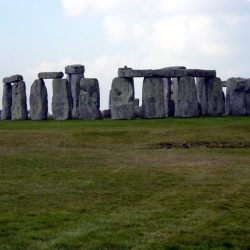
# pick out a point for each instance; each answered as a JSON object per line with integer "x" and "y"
{"x": 6, "y": 101}
{"x": 167, "y": 92}
{"x": 61, "y": 101}
{"x": 38, "y": 100}
{"x": 185, "y": 97}
{"x": 89, "y": 99}
{"x": 50, "y": 75}
{"x": 75, "y": 74}
{"x": 238, "y": 97}
{"x": 153, "y": 98}
{"x": 122, "y": 98}
{"x": 14, "y": 100}
{"x": 19, "y": 101}
{"x": 211, "y": 97}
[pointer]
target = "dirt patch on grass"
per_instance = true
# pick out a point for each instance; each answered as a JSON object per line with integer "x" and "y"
{"x": 203, "y": 144}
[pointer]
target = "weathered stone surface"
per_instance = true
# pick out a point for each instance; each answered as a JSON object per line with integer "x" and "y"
{"x": 137, "y": 102}
{"x": 61, "y": 101}
{"x": 6, "y": 102}
{"x": 38, "y": 101}
{"x": 237, "y": 97}
{"x": 19, "y": 101}
{"x": 122, "y": 98}
{"x": 168, "y": 102}
{"x": 224, "y": 84}
{"x": 13, "y": 79}
{"x": 185, "y": 97}
{"x": 153, "y": 105}
{"x": 106, "y": 113}
{"x": 75, "y": 69}
{"x": 201, "y": 73}
{"x": 171, "y": 72}
{"x": 211, "y": 96}
{"x": 74, "y": 81}
{"x": 89, "y": 99}
{"x": 50, "y": 75}
{"x": 138, "y": 112}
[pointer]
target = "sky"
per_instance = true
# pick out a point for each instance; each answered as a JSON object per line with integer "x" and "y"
{"x": 103, "y": 35}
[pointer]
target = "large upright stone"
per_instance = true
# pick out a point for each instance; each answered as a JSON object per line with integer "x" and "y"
{"x": 38, "y": 101}
{"x": 185, "y": 97}
{"x": 238, "y": 97}
{"x": 74, "y": 80}
{"x": 75, "y": 74}
{"x": 210, "y": 96}
{"x": 19, "y": 101}
{"x": 61, "y": 101}
{"x": 168, "y": 102}
{"x": 6, "y": 102}
{"x": 122, "y": 98}
{"x": 153, "y": 105}
{"x": 89, "y": 99}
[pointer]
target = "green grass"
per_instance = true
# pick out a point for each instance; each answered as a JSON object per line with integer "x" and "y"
{"x": 110, "y": 185}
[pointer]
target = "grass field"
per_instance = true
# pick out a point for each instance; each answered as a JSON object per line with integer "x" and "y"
{"x": 143, "y": 184}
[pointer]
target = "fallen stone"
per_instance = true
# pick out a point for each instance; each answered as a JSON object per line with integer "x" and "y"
{"x": 185, "y": 97}
{"x": 237, "y": 97}
{"x": 50, "y": 75}
{"x": 75, "y": 69}
{"x": 106, "y": 113}
{"x": 13, "y": 79}
{"x": 38, "y": 101}
{"x": 153, "y": 98}
{"x": 6, "y": 102}
{"x": 61, "y": 101}
{"x": 89, "y": 99}
{"x": 210, "y": 96}
{"x": 122, "y": 98}
{"x": 19, "y": 101}
{"x": 170, "y": 72}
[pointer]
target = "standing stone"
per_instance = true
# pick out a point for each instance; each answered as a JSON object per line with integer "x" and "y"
{"x": 122, "y": 98}
{"x": 61, "y": 101}
{"x": 237, "y": 97}
{"x": 168, "y": 102}
{"x": 153, "y": 105}
{"x": 6, "y": 102}
{"x": 38, "y": 100}
{"x": 19, "y": 101}
{"x": 89, "y": 99}
{"x": 210, "y": 96}
{"x": 185, "y": 97}
{"x": 75, "y": 74}
{"x": 74, "y": 80}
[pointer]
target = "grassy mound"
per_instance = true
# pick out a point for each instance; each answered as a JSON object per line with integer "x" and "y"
{"x": 143, "y": 184}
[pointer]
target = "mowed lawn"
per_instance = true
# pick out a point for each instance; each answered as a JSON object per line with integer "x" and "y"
{"x": 142, "y": 184}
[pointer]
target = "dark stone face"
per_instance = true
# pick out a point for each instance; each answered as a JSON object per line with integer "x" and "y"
{"x": 38, "y": 101}
{"x": 237, "y": 98}
{"x": 50, "y": 75}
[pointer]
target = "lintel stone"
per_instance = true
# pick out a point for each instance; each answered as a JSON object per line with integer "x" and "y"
{"x": 50, "y": 75}
{"x": 13, "y": 79}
